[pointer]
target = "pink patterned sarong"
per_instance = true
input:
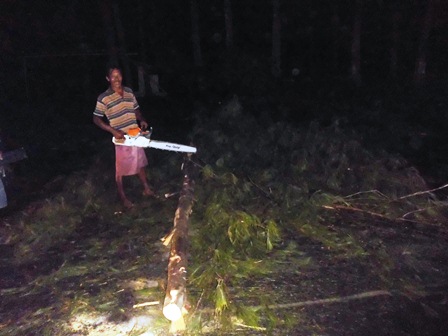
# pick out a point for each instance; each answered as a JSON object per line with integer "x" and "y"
{"x": 129, "y": 160}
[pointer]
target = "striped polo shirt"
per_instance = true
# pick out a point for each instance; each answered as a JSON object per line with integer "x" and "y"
{"x": 119, "y": 110}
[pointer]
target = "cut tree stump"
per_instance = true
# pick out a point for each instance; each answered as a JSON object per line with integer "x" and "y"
{"x": 175, "y": 304}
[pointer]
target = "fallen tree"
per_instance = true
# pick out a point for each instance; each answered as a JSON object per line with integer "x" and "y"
{"x": 175, "y": 304}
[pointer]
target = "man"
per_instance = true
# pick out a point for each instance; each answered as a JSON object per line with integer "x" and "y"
{"x": 120, "y": 106}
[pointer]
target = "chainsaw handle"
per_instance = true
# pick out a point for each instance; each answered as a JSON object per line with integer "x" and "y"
{"x": 148, "y": 133}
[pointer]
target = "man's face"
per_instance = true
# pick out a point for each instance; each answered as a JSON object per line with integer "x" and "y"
{"x": 115, "y": 79}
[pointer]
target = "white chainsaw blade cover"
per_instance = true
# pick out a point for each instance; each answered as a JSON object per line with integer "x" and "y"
{"x": 141, "y": 141}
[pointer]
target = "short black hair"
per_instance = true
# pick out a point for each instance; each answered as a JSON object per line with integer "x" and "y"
{"x": 111, "y": 67}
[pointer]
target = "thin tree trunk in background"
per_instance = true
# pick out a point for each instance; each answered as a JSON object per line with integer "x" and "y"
{"x": 153, "y": 40}
{"x": 141, "y": 31}
{"x": 335, "y": 23}
{"x": 175, "y": 304}
{"x": 228, "y": 20}
{"x": 122, "y": 43}
{"x": 106, "y": 15}
{"x": 276, "y": 39}
{"x": 356, "y": 44}
{"x": 393, "y": 51}
{"x": 421, "y": 62}
{"x": 195, "y": 37}
{"x": 196, "y": 41}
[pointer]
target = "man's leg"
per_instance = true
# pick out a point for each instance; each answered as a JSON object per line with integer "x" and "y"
{"x": 142, "y": 176}
{"x": 127, "y": 203}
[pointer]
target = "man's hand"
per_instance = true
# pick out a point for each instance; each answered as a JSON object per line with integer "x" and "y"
{"x": 118, "y": 134}
{"x": 143, "y": 125}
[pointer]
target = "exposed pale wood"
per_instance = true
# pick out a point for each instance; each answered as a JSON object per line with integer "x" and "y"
{"x": 145, "y": 304}
{"x": 423, "y": 192}
{"x": 175, "y": 304}
{"x": 177, "y": 326}
{"x": 339, "y": 299}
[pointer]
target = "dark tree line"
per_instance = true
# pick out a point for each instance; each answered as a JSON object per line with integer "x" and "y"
{"x": 353, "y": 38}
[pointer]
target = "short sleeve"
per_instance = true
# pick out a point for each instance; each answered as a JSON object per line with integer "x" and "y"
{"x": 100, "y": 109}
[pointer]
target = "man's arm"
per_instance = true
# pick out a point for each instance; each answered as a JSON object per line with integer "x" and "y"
{"x": 143, "y": 122}
{"x": 106, "y": 127}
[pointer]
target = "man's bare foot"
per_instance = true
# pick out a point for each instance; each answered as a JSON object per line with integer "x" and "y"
{"x": 127, "y": 204}
{"x": 148, "y": 192}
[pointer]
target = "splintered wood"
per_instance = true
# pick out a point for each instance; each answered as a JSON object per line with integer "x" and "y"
{"x": 175, "y": 304}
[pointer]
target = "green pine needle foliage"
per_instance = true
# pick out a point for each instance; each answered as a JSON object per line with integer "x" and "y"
{"x": 263, "y": 188}
{"x": 270, "y": 179}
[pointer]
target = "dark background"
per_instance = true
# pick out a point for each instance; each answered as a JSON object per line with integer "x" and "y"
{"x": 62, "y": 45}
{"x": 53, "y": 57}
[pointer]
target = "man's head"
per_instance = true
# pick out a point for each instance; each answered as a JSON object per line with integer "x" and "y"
{"x": 114, "y": 77}
{"x": 110, "y": 67}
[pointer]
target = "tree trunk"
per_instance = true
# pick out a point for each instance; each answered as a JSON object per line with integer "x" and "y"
{"x": 175, "y": 304}
{"x": 153, "y": 38}
{"x": 141, "y": 32}
{"x": 421, "y": 62}
{"x": 106, "y": 15}
{"x": 228, "y": 20}
{"x": 195, "y": 37}
{"x": 335, "y": 23}
{"x": 150, "y": 32}
{"x": 393, "y": 50}
{"x": 356, "y": 44}
{"x": 141, "y": 82}
{"x": 276, "y": 39}
{"x": 123, "y": 48}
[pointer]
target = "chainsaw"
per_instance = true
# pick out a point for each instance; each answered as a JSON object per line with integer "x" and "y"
{"x": 143, "y": 139}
